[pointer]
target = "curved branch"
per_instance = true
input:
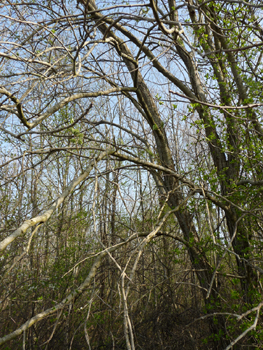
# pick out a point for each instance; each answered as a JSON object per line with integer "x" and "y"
{"x": 19, "y": 108}
{"x": 181, "y": 178}
{"x": 47, "y": 214}
{"x": 59, "y": 306}
{"x": 78, "y": 96}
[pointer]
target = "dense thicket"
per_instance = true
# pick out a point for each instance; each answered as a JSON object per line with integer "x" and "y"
{"x": 131, "y": 174}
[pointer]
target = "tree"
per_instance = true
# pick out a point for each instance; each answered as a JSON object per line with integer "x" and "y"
{"x": 127, "y": 127}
